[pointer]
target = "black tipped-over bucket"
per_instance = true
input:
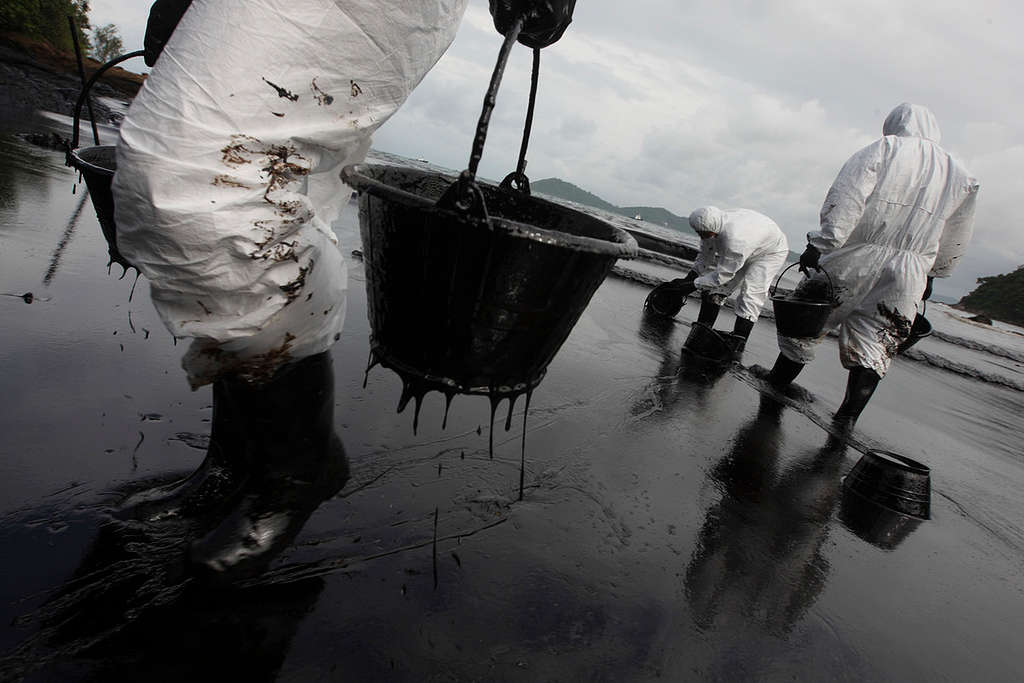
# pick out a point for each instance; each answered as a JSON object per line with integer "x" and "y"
{"x": 878, "y": 525}
{"x": 801, "y": 313}
{"x": 892, "y": 481}
{"x": 469, "y": 304}
{"x": 711, "y": 345}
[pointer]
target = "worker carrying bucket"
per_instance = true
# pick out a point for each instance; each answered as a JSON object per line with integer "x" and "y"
{"x": 228, "y": 172}
{"x": 899, "y": 214}
{"x": 740, "y": 251}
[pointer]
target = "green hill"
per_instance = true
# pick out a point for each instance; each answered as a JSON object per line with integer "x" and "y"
{"x": 656, "y": 214}
{"x": 559, "y": 188}
{"x": 565, "y": 190}
{"x": 1000, "y": 297}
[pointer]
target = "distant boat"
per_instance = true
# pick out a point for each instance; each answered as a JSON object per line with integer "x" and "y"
{"x": 638, "y": 217}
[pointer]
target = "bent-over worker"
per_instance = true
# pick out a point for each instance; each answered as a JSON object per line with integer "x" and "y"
{"x": 740, "y": 251}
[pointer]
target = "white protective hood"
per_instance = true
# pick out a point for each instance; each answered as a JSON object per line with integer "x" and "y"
{"x": 228, "y": 165}
{"x": 912, "y": 120}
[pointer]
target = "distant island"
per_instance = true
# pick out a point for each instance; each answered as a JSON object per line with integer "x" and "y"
{"x": 557, "y": 187}
{"x": 1000, "y": 297}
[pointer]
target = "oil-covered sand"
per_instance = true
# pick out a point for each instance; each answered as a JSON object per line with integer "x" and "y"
{"x": 674, "y": 526}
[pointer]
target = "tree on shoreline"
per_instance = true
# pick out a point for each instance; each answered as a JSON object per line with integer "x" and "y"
{"x": 46, "y": 20}
{"x": 106, "y": 43}
{"x": 1000, "y": 297}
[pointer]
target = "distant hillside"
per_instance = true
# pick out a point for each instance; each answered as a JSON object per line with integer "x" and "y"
{"x": 656, "y": 214}
{"x": 653, "y": 214}
{"x": 559, "y": 188}
{"x": 1000, "y": 297}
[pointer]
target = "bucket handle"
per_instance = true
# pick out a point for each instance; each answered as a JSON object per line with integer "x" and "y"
{"x": 517, "y": 180}
{"x": 831, "y": 287}
{"x": 85, "y": 93}
{"x": 465, "y": 194}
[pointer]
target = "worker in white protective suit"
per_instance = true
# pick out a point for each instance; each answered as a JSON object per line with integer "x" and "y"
{"x": 899, "y": 214}
{"x": 227, "y": 186}
{"x": 740, "y": 251}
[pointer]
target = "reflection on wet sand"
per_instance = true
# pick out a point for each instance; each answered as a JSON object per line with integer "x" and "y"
{"x": 680, "y": 376}
{"x": 154, "y": 577}
{"x": 758, "y": 555}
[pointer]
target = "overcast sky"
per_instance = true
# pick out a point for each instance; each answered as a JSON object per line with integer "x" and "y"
{"x": 743, "y": 103}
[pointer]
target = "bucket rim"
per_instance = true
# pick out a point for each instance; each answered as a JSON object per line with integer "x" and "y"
{"x": 84, "y": 165}
{"x": 900, "y": 461}
{"x": 623, "y": 245}
{"x": 788, "y": 298}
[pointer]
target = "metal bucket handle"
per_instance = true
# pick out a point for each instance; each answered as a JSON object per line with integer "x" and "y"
{"x": 85, "y": 92}
{"x": 831, "y": 288}
{"x": 517, "y": 180}
{"x": 465, "y": 194}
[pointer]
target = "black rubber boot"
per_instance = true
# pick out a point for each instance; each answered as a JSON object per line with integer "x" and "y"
{"x": 784, "y": 372}
{"x": 708, "y": 311}
{"x": 222, "y": 472}
{"x": 742, "y": 327}
{"x": 860, "y": 386}
{"x": 298, "y": 461}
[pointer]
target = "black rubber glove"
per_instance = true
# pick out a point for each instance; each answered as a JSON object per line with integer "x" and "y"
{"x": 546, "y": 20}
{"x": 691, "y": 276}
{"x": 809, "y": 259}
{"x": 164, "y": 16}
{"x": 927, "y": 289}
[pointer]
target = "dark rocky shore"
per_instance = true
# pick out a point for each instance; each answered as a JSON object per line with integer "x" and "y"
{"x": 34, "y": 76}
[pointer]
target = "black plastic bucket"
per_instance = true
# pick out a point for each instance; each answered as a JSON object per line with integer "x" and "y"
{"x": 665, "y": 300}
{"x": 892, "y": 481}
{"x": 919, "y": 330}
{"x": 711, "y": 345}
{"x": 97, "y": 166}
{"x": 878, "y": 525}
{"x": 468, "y": 304}
{"x": 800, "y": 316}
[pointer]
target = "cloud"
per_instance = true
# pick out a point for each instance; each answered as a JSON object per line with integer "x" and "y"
{"x": 736, "y": 103}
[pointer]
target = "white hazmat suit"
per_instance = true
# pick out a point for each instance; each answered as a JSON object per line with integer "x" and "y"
{"x": 900, "y": 210}
{"x": 229, "y": 159}
{"x": 746, "y": 250}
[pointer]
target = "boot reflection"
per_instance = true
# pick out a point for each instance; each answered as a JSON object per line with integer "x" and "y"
{"x": 678, "y": 379}
{"x": 758, "y": 558}
{"x": 295, "y": 461}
